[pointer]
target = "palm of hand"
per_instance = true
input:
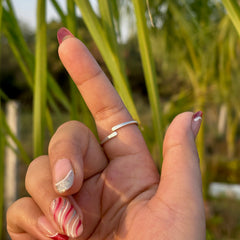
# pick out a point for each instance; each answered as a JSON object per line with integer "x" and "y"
{"x": 114, "y": 198}
{"x": 120, "y": 203}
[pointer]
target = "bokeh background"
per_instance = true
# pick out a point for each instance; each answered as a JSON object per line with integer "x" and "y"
{"x": 163, "y": 56}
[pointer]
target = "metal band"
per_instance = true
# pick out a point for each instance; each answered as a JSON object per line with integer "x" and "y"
{"x": 115, "y": 128}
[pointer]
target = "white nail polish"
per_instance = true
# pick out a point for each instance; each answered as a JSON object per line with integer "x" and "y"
{"x": 196, "y": 122}
{"x": 66, "y": 183}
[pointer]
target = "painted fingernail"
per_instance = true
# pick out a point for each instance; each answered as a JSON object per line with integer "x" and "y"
{"x": 63, "y": 175}
{"x": 48, "y": 230}
{"x": 62, "y": 34}
{"x": 66, "y": 217}
{"x": 196, "y": 122}
{"x": 59, "y": 237}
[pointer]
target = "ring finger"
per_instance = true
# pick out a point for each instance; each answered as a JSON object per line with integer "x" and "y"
{"x": 22, "y": 221}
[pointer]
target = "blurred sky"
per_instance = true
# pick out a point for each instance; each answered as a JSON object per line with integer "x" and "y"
{"x": 26, "y": 13}
{"x": 26, "y": 10}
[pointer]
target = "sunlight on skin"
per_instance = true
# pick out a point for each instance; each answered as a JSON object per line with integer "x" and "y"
{"x": 124, "y": 191}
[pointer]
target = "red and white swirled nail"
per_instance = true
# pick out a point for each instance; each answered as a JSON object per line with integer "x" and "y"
{"x": 67, "y": 217}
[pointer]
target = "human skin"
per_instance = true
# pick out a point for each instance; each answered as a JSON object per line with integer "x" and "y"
{"x": 117, "y": 192}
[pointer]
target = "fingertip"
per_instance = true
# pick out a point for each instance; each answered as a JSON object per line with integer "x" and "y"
{"x": 63, "y": 34}
{"x": 179, "y": 131}
{"x": 184, "y": 126}
{"x": 78, "y": 60}
{"x": 47, "y": 229}
{"x": 66, "y": 208}
{"x": 22, "y": 219}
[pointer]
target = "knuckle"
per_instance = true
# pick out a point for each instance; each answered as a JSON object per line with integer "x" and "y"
{"x": 109, "y": 111}
{"x": 34, "y": 171}
{"x": 61, "y": 148}
{"x": 17, "y": 205}
{"x": 14, "y": 211}
{"x": 70, "y": 140}
{"x": 70, "y": 124}
{"x": 90, "y": 76}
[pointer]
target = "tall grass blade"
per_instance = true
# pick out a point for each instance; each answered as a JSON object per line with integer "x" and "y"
{"x": 2, "y": 148}
{"x": 111, "y": 58}
{"x": 71, "y": 17}
{"x": 27, "y": 73}
{"x": 77, "y": 102}
{"x": 72, "y": 26}
{"x": 233, "y": 9}
{"x": 29, "y": 77}
{"x": 107, "y": 8}
{"x": 1, "y": 9}
{"x": 7, "y": 131}
{"x": 26, "y": 59}
{"x": 26, "y": 62}
{"x": 115, "y": 12}
{"x": 2, "y": 143}
{"x": 149, "y": 71}
{"x": 40, "y": 84}
{"x": 198, "y": 69}
{"x": 186, "y": 30}
{"x": 60, "y": 11}
{"x": 14, "y": 28}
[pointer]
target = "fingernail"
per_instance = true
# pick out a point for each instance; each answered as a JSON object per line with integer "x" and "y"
{"x": 63, "y": 175}
{"x": 196, "y": 122}
{"x": 66, "y": 216}
{"x": 62, "y": 34}
{"x": 48, "y": 230}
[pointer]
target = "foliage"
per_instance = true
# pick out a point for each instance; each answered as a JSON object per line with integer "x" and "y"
{"x": 40, "y": 80}
{"x": 2, "y": 146}
{"x": 219, "y": 212}
{"x": 180, "y": 56}
{"x": 149, "y": 72}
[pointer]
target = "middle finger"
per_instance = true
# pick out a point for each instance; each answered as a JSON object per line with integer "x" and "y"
{"x": 102, "y": 99}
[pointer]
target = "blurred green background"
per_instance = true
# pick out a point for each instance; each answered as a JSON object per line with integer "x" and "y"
{"x": 163, "y": 56}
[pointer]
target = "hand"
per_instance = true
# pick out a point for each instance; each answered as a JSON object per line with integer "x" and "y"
{"x": 116, "y": 191}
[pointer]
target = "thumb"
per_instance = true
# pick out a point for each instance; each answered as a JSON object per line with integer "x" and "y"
{"x": 181, "y": 183}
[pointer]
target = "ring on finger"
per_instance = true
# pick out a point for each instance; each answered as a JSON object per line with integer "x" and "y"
{"x": 114, "y": 130}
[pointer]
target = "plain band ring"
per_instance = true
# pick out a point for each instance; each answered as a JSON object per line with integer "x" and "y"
{"x": 115, "y": 128}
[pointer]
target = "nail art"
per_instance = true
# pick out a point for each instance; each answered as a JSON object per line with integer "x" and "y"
{"x": 59, "y": 236}
{"x": 196, "y": 122}
{"x": 197, "y": 116}
{"x": 65, "y": 183}
{"x": 66, "y": 217}
{"x": 62, "y": 34}
{"x": 48, "y": 230}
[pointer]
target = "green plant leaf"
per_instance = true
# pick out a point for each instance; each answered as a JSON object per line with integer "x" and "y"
{"x": 149, "y": 72}
{"x": 233, "y": 10}
{"x": 40, "y": 83}
{"x": 111, "y": 58}
{"x": 59, "y": 11}
{"x": 7, "y": 131}
{"x": 2, "y": 143}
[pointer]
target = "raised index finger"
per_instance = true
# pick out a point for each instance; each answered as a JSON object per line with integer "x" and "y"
{"x": 101, "y": 98}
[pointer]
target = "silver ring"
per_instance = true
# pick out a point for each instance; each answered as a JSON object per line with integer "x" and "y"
{"x": 115, "y": 128}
